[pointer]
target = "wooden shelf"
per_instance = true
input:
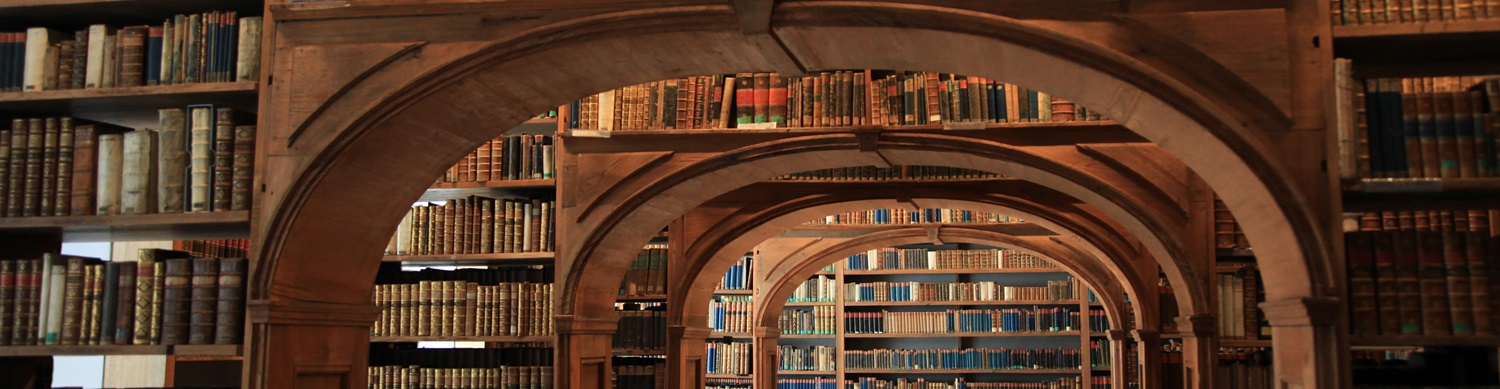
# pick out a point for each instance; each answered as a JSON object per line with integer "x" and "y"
{"x": 952, "y": 271}
{"x": 1420, "y": 49}
{"x": 220, "y": 351}
{"x": 443, "y": 191}
{"x": 158, "y": 226}
{"x": 716, "y": 335}
{"x": 508, "y": 339}
{"x": 641, "y": 297}
{"x": 965, "y": 371}
{"x": 635, "y": 351}
{"x": 857, "y": 230}
{"x": 1422, "y": 194}
{"x": 734, "y": 292}
{"x": 808, "y": 336}
{"x": 537, "y": 258}
{"x": 207, "y": 350}
{"x": 810, "y": 304}
{"x": 806, "y": 372}
{"x": 721, "y": 376}
{"x": 1234, "y": 252}
{"x": 545, "y": 126}
{"x": 941, "y": 303}
{"x": 133, "y": 107}
{"x": 1245, "y": 342}
{"x": 78, "y": 14}
{"x": 970, "y": 335}
{"x": 1108, "y": 126}
{"x": 1230, "y": 268}
{"x": 1420, "y": 340}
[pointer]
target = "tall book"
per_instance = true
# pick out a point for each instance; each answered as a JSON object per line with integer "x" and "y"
{"x": 229, "y": 319}
{"x": 138, "y": 175}
{"x": 63, "y": 190}
{"x": 200, "y": 154}
{"x": 132, "y": 56}
{"x": 744, "y": 98}
{"x": 147, "y": 304}
{"x": 47, "y": 190}
{"x": 8, "y": 316}
{"x": 223, "y": 158}
{"x": 41, "y": 42}
{"x": 125, "y": 305}
{"x": 176, "y": 300}
{"x": 104, "y": 328}
{"x": 85, "y": 174}
{"x": 20, "y": 130}
{"x": 73, "y": 310}
{"x": 1436, "y": 313}
{"x": 203, "y": 298}
{"x": 31, "y": 196}
{"x": 54, "y": 273}
{"x": 173, "y": 170}
{"x": 111, "y": 149}
{"x": 94, "y": 63}
{"x": 248, "y": 58}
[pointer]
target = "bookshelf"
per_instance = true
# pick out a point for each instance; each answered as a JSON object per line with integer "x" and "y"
{"x": 132, "y": 96}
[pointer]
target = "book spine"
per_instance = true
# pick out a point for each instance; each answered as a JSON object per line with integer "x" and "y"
{"x": 111, "y": 167}
{"x": 132, "y": 56}
{"x": 73, "y": 295}
{"x": 172, "y": 176}
{"x": 105, "y": 327}
{"x": 35, "y": 153}
{"x": 200, "y": 152}
{"x": 176, "y": 300}
{"x": 223, "y": 159}
{"x": 20, "y": 130}
{"x": 8, "y": 302}
{"x": 48, "y": 185}
{"x": 138, "y": 175}
{"x": 247, "y": 67}
{"x": 230, "y": 311}
{"x": 62, "y": 192}
{"x": 125, "y": 303}
{"x": 1436, "y": 312}
{"x": 85, "y": 173}
{"x": 154, "y": 44}
{"x": 761, "y": 92}
{"x": 243, "y": 171}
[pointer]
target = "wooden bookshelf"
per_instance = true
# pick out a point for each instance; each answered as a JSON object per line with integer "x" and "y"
{"x": 717, "y": 334}
{"x": 505, "y": 339}
{"x": 1422, "y": 194}
{"x": 811, "y": 304}
{"x": 1420, "y": 49}
{"x": 1101, "y": 128}
{"x": 536, "y": 258}
{"x": 134, "y": 106}
{"x": 442, "y": 191}
{"x": 207, "y": 350}
{"x": 723, "y": 376}
{"x": 808, "y": 336}
{"x": 951, "y": 271}
{"x": 942, "y": 303}
{"x": 1073, "y": 334}
{"x": 155, "y": 226}
{"x": 1245, "y": 342}
{"x": 962, "y": 371}
{"x": 634, "y": 351}
{"x": 1234, "y": 253}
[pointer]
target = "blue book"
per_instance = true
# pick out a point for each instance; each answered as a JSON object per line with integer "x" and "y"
{"x": 153, "y": 55}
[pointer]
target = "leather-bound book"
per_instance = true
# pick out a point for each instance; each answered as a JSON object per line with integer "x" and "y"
{"x": 31, "y": 197}
{"x": 243, "y": 172}
{"x": 176, "y": 300}
{"x": 73, "y": 301}
{"x": 223, "y": 158}
{"x": 200, "y": 162}
{"x": 15, "y": 188}
{"x": 1436, "y": 315}
{"x": 132, "y": 56}
{"x": 8, "y": 317}
{"x": 173, "y": 168}
{"x": 203, "y": 300}
{"x": 84, "y": 176}
{"x": 48, "y": 183}
{"x": 124, "y": 317}
{"x": 138, "y": 173}
{"x": 104, "y": 329}
{"x": 229, "y": 319}
{"x": 744, "y": 98}
{"x": 110, "y": 169}
{"x": 62, "y": 190}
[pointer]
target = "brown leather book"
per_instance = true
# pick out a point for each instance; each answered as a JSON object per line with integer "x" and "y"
{"x": 229, "y": 319}
{"x": 85, "y": 159}
{"x": 1364, "y": 300}
{"x": 1456, "y": 273}
{"x": 223, "y": 159}
{"x": 203, "y": 300}
{"x": 1436, "y": 313}
{"x": 31, "y": 196}
{"x": 176, "y": 300}
{"x": 73, "y": 300}
{"x": 48, "y": 184}
{"x": 132, "y": 60}
{"x": 62, "y": 193}
{"x": 124, "y": 318}
{"x": 15, "y": 188}
{"x": 8, "y": 291}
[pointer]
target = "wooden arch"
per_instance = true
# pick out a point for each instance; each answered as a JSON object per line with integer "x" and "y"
{"x": 404, "y": 118}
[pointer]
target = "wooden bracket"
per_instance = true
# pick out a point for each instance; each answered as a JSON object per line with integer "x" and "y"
{"x": 754, "y": 15}
{"x": 935, "y": 235}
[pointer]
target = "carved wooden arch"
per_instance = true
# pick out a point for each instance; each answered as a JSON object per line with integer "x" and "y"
{"x": 736, "y": 232}
{"x": 808, "y": 260}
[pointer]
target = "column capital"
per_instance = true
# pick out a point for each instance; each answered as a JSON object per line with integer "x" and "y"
{"x": 1145, "y": 335}
{"x": 763, "y": 332}
{"x": 1303, "y": 311}
{"x": 311, "y": 313}
{"x": 1117, "y": 334}
{"x": 577, "y": 325}
{"x": 697, "y": 332}
{"x": 1201, "y": 325}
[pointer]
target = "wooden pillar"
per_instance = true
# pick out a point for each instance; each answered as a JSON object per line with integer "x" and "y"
{"x": 1117, "y": 341}
{"x": 1200, "y": 351}
{"x": 1148, "y": 354}
{"x": 1305, "y": 335}
{"x": 686, "y": 349}
{"x": 766, "y": 339}
{"x": 314, "y": 344}
{"x": 584, "y": 348}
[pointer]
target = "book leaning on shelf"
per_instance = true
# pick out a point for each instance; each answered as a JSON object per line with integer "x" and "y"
{"x": 164, "y": 297}
{"x": 186, "y": 49}
{"x": 506, "y": 158}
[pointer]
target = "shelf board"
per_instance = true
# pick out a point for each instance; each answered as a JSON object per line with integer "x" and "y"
{"x": 1422, "y": 194}
{"x": 965, "y": 371}
{"x": 805, "y": 372}
{"x": 133, "y": 107}
{"x": 443, "y": 191}
{"x": 734, "y": 292}
{"x": 941, "y": 303}
{"x": 1230, "y": 268}
{"x": 1423, "y": 340}
{"x": 717, "y": 335}
{"x": 641, "y": 297}
{"x": 970, "y": 335}
{"x": 722, "y": 376}
{"x": 953, "y": 271}
{"x": 203, "y": 350}
{"x": 1245, "y": 342}
{"x": 157, "y": 226}
{"x": 636, "y": 351}
{"x": 65, "y": 14}
{"x": 1094, "y": 125}
{"x": 808, "y": 336}
{"x": 857, "y": 230}
{"x": 207, "y": 350}
{"x": 1427, "y": 49}
{"x": 537, "y": 258}
{"x": 508, "y": 339}
{"x": 810, "y": 304}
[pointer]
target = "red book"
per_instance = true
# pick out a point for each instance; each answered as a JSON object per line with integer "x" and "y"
{"x": 777, "y": 99}
{"x": 762, "y": 95}
{"x": 744, "y": 98}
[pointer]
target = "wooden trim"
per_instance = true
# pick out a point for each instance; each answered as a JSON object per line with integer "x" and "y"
{"x": 954, "y": 271}
{"x": 159, "y": 226}
{"x": 943, "y": 303}
{"x": 964, "y": 371}
{"x": 69, "y": 95}
{"x": 969, "y": 335}
{"x": 1422, "y": 194}
{"x": 506, "y": 339}
{"x": 1415, "y": 29}
{"x": 536, "y": 258}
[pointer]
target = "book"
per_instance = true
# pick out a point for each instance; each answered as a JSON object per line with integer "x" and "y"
{"x": 223, "y": 159}
{"x": 201, "y": 127}
{"x": 85, "y": 162}
{"x": 176, "y": 300}
{"x": 125, "y": 304}
{"x": 243, "y": 172}
{"x": 138, "y": 173}
{"x": 173, "y": 170}
{"x": 31, "y": 195}
{"x": 40, "y": 44}
{"x": 132, "y": 56}
{"x": 110, "y": 172}
{"x": 203, "y": 300}
{"x": 247, "y": 66}
{"x": 62, "y": 191}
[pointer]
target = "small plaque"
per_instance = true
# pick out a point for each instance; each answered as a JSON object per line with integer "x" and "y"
{"x": 1407, "y": 185}
{"x": 589, "y": 133}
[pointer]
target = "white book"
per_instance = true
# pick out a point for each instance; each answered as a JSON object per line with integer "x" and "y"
{"x": 138, "y": 176}
{"x": 200, "y": 159}
{"x": 248, "y": 66}
{"x": 94, "y": 70}
{"x": 111, "y": 161}
{"x": 39, "y": 40}
{"x": 107, "y": 80}
{"x": 525, "y": 229}
{"x": 58, "y": 281}
{"x": 44, "y": 314}
{"x": 607, "y": 110}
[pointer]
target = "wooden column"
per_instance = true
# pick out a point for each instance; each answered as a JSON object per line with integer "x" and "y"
{"x": 766, "y": 362}
{"x": 1200, "y": 351}
{"x": 1306, "y": 333}
{"x": 686, "y": 349}
{"x": 1117, "y": 340}
{"x": 584, "y": 347}
{"x": 1148, "y": 354}
{"x": 315, "y": 345}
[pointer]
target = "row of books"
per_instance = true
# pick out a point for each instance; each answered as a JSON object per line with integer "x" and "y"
{"x": 813, "y": 321}
{"x": 729, "y": 358}
{"x": 1227, "y": 231}
{"x": 827, "y": 99}
{"x": 806, "y": 358}
{"x": 934, "y": 259}
{"x": 417, "y": 377}
{"x": 221, "y": 248}
{"x": 872, "y": 173}
{"x": 905, "y": 216}
{"x": 956, "y": 383}
{"x": 640, "y": 373}
{"x": 508, "y": 157}
{"x": 1353, "y": 12}
{"x": 1098, "y": 320}
{"x": 959, "y": 291}
{"x": 1422, "y": 282}
{"x": 410, "y": 354}
{"x": 819, "y": 288}
{"x": 647, "y": 274}
{"x": 206, "y": 47}
{"x": 730, "y": 314}
{"x": 1244, "y": 368}
{"x": 1431, "y": 127}
{"x": 966, "y": 358}
{"x": 1104, "y": 383}
{"x": 1099, "y": 355}
{"x": 728, "y": 383}
{"x": 739, "y": 276}
{"x": 59, "y": 166}
{"x": 391, "y": 273}
{"x": 1239, "y": 314}
{"x": 476, "y": 225}
{"x": 459, "y": 308}
{"x": 641, "y": 327}
{"x": 165, "y": 297}
{"x": 812, "y": 383}
{"x": 963, "y": 321}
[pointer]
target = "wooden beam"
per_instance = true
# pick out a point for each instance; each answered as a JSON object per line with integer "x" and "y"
{"x": 385, "y": 8}
{"x": 755, "y": 15}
